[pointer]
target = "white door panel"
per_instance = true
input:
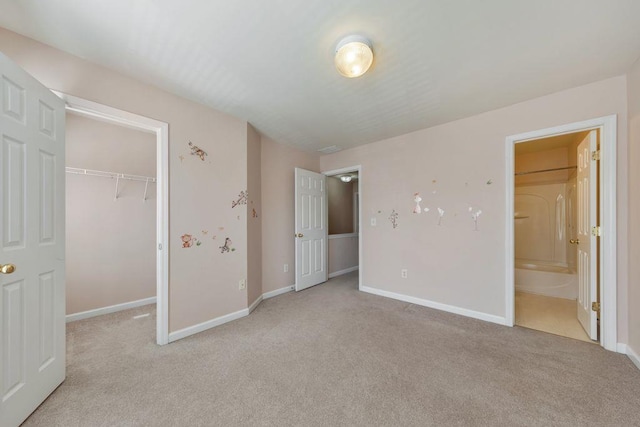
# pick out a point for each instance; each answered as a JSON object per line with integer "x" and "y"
{"x": 587, "y": 246}
{"x": 32, "y": 298}
{"x": 311, "y": 228}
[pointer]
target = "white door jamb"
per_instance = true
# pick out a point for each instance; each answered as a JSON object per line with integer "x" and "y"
{"x": 357, "y": 168}
{"x": 161, "y": 129}
{"x": 607, "y": 207}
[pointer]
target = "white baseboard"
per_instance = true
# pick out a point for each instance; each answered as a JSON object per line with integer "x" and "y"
{"x": 277, "y": 292}
{"x": 110, "y": 309}
{"x": 631, "y": 354}
{"x": 255, "y": 304}
{"x": 621, "y": 348}
{"x": 341, "y": 272}
{"x": 438, "y": 306}
{"x": 191, "y": 330}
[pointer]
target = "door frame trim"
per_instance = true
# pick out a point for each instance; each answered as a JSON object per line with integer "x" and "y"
{"x": 607, "y": 207}
{"x": 161, "y": 130}
{"x": 356, "y": 168}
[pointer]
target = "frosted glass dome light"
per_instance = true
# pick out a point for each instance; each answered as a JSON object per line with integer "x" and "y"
{"x": 353, "y": 56}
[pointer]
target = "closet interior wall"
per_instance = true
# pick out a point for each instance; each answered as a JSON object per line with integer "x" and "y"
{"x": 110, "y": 253}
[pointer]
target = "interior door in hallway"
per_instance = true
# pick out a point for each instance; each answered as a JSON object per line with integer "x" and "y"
{"x": 311, "y": 228}
{"x": 32, "y": 294}
{"x": 587, "y": 241}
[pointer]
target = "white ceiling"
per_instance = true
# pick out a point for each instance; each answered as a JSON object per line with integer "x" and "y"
{"x": 271, "y": 62}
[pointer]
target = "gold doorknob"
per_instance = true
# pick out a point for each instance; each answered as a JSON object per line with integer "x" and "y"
{"x": 7, "y": 268}
{"x": 300, "y": 235}
{"x": 574, "y": 241}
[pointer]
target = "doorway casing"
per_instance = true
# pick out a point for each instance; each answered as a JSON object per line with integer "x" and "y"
{"x": 358, "y": 169}
{"x": 161, "y": 130}
{"x": 607, "y": 208}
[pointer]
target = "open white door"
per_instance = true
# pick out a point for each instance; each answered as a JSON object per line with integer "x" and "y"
{"x": 311, "y": 229}
{"x": 32, "y": 300}
{"x": 586, "y": 240}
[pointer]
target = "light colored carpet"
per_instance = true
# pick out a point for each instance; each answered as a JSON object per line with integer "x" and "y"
{"x": 333, "y": 356}
{"x": 554, "y": 315}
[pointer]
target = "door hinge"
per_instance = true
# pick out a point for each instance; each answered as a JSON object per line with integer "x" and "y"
{"x": 595, "y": 306}
{"x": 595, "y": 155}
{"x": 596, "y": 231}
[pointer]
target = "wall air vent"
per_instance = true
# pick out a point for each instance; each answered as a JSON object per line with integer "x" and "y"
{"x": 330, "y": 149}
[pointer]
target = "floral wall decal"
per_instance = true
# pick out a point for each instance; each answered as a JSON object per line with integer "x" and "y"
{"x": 474, "y": 216}
{"x": 197, "y": 151}
{"x": 241, "y": 200}
{"x": 417, "y": 199}
{"x": 394, "y": 218}
{"x": 254, "y": 213}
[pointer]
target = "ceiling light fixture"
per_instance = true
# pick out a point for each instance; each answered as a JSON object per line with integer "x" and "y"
{"x": 353, "y": 56}
{"x": 345, "y": 178}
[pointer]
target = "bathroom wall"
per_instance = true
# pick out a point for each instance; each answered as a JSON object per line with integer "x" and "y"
{"x": 110, "y": 247}
{"x": 541, "y": 160}
{"x": 544, "y": 236}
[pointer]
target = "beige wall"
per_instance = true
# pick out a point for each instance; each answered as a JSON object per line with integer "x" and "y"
{"x": 340, "y": 204}
{"x": 343, "y": 253}
{"x": 110, "y": 250}
{"x": 463, "y": 163}
{"x": 278, "y": 163}
{"x": 203, "y": 282}
{"x": 254, "y": 215}
{"x": 633, "y": 164}
{"x": 540, "y": 160}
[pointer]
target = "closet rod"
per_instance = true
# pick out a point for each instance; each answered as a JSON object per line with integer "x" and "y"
{"x": 90, "y": 172}
{"x": 545, "y": 170}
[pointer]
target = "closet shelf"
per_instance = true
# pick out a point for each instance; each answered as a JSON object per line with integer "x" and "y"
{"x": 104, "y": 174}
{"x": 114, "y": 175}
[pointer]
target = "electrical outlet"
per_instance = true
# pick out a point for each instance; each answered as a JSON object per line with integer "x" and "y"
{"x": 404, "y": 273}
{"x": 373, "y": 222}
{"x": 242, "y": 284}
{"x": 286, "y": 268}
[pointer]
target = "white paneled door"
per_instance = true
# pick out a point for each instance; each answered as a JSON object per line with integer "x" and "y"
{"x": 32, "y": 301}
{"x": 311, "y": 228}
{"x": 586, "y": 240}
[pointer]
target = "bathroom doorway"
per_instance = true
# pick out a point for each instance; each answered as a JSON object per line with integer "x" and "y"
{"x": 546, "y": 205}
{"x": 561, "y": 230}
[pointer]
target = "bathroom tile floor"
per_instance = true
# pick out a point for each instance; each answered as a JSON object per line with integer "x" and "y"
{"x": 553, "y": 315}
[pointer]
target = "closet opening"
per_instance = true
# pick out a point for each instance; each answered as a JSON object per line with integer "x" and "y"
{"x": 116, "y": 216}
